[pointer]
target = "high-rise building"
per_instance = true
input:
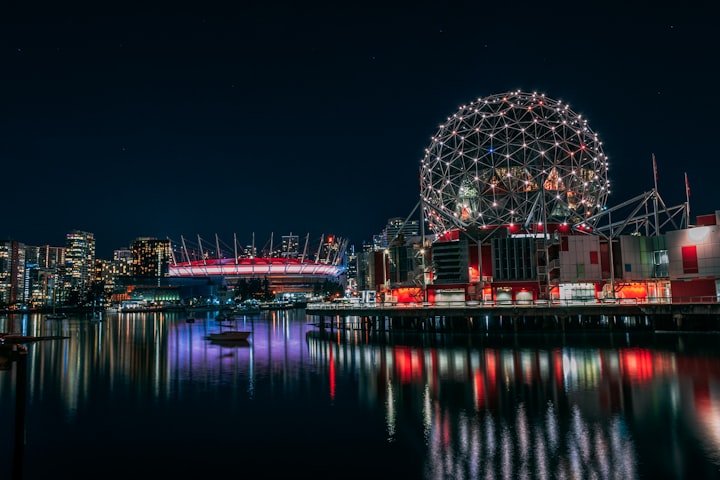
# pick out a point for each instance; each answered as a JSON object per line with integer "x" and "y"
{"x": 41, "y": 273}
{"x": 150, "y": 257}
{"x": 122, "y": 265}
{"x": 352, "y": 268}
{"x": 332, "y": 250}
{"x": 12, "y": 272}
{"x": 79, "y": 268}
{"x": 104, "y": 273}
{"x": 399, "y": 226}
{"x": 396, "y": 227}
{"x": 45, "y": 256}
{"x": 290, "y": 245}
{"x": 249, "y": 251}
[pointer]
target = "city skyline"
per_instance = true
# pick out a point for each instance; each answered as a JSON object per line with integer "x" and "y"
{"x": 273, "y": 246}
{"x": 315, "y": 120}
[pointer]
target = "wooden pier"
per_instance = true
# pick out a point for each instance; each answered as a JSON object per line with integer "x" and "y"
{"x": 466, "y": 317}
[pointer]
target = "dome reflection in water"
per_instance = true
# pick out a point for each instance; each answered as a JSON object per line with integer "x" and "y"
{"x": 147, "y": 394}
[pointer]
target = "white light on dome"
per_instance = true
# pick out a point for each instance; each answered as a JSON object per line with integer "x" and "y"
{"x": 475, "y": 179}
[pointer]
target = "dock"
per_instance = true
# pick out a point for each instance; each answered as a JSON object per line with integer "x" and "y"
{"x": 517, "y": 317}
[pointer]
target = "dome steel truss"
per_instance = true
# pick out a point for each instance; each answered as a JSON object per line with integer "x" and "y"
{"x": 513, "y": 158}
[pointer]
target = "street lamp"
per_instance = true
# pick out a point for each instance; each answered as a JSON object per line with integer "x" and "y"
{"x": 385, "y": 286}
{"x": 424, "y": 273}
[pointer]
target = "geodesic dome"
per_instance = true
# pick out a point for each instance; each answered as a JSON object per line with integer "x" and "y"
{"x": 513, "y": 158}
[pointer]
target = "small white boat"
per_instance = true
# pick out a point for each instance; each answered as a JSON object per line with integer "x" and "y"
{"x": 229, "y": 336}
{"x": 56, "y": 316}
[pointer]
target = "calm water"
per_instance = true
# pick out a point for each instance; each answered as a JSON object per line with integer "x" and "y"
{"x": 145, "y": 395}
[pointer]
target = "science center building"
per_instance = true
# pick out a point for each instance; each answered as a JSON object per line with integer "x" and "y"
{"x": 514, "y": 189}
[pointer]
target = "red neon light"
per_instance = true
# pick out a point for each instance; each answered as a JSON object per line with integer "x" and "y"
{"x": 479, "y": 384}
{"x": 332, "y": 374}
{"x": 637, "y": 364}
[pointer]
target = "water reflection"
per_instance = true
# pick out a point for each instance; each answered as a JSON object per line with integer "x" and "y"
{"x": 443, "y": 406}
{"x": 518, "y": 412}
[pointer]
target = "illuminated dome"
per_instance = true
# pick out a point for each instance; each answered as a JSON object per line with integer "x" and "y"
{"x": 514, "y": 158}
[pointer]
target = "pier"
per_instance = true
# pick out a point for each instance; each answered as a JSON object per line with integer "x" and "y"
{"x": 559, "y": 317}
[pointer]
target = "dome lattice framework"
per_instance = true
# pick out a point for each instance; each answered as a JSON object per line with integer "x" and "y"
{"x": 513, "y": 158}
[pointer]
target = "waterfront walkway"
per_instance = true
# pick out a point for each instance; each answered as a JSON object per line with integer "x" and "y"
{"x": 470, "y": 316}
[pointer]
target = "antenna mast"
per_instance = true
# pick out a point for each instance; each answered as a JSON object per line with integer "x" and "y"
{"x": 235, "y": 247}
{"x": 687, "y": 202}
{"x": 655, "y": 197}
{"x": 187, "y": 255}
{"x": 317, "y": 256}
{"x": 172, "y": 252}
{"x": 307, "y": 237}
{"x": 202, "y": 254}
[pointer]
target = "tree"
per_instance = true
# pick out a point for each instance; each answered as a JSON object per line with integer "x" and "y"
{"x": 242, "y": 289}
{"x": 267, "y": 294}
{"x": 73, "y": 298}
{"x": 95, "y": 294}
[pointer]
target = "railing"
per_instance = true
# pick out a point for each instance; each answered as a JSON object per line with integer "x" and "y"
{"x": 691, "y": 300}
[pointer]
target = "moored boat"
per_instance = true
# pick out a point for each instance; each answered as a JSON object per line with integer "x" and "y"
{"x": 230, "y": 343}
{"x": 229, "y": 335}
{"x": 8, "y": 338}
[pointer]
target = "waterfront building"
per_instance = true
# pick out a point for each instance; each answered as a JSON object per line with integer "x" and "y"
{"x": 105, "y": 276}
{"x": 12, "y": 273}
{"x": 79, "y": 267}
{"x": 41, "y": 266}
{"x": 39, "y": 284}
{"x": 45, "y": 256}
{"x": 515, "y": 217}
{"x": 680, "y": 265}
{"x": 395, "y": 273}
{"x": 150, "y": 257}
{"x": 692, "y": 262}
{"x": 122, "y": 262}
{"x": 153, "y": 295}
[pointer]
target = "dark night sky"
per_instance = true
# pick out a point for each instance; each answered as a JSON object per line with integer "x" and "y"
{"x": 314, "y": 119}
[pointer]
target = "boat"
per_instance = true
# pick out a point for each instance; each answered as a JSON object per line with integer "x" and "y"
{"x": 229, "y": 336}
{"x": 276, "y": 305}
{"x": 230, "y": 343}
{"x": 249, "y": 306}
{"x": 7, "y": 338}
